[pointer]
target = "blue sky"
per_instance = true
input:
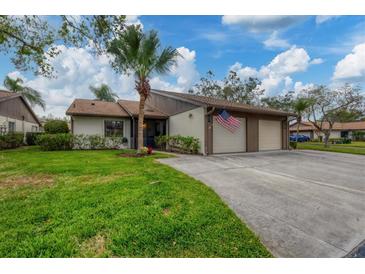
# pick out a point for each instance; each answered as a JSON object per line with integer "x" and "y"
{"x": 284, "y": 52}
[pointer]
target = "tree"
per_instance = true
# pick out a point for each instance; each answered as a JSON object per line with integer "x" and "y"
{"x": 280, "y": 102}
{"x": 140, "y": 53}
{"x": 299, "y": 106}
{"x": 104, "y": 93}
{"x": 232, "y": 88}
{"x": 330, "y": 106}
{"x": 31, "y": 40}
{"x": 31, "y": 95}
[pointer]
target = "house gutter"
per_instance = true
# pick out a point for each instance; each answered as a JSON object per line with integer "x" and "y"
{"x": 133, "y": 131}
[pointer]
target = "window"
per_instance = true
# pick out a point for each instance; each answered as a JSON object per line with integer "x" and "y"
{"x": 113, "y": 128}
{"x": 34, "y": 128}
{"x": 11, "y": 127}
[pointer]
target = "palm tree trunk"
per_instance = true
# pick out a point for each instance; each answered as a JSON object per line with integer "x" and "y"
{"x": 299, "y": 120}
{"x": 142, "y": 100}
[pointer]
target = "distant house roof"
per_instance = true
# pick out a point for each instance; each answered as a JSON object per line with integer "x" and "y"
{"x": 220, "y": 103}
{"x": 132, "y": 107}
{"x": 7, "y": 95}
{"x": 308, "y": 126}
{"x": 123, "y": 108}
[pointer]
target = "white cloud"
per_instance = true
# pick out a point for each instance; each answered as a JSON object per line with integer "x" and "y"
{"x": 133, "y": 20}
{"x": 275, "y": 42}
{"x": 352, "y": 66}
{"x": 317, "y": 61}
{"x": 262, "y": 23}
{"x": 244, "y": 72}
{"x": 184, "y": 71}
{"x": 324, "y": 18}
{"x": 276, "y": 74}
{"x": 300, "y": 88}
{"x": 78, "y": 68}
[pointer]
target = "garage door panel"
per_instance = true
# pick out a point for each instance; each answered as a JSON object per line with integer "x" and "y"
{"x": 270, "y": 135}
{"x": 225, "y": 141}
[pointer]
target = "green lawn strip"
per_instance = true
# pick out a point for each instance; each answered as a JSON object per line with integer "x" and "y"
{"x": 96, "y": 204}
{"x": 333, "y": 148}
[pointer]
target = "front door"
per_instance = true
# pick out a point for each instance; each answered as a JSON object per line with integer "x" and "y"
{"x": 153, "y": 128}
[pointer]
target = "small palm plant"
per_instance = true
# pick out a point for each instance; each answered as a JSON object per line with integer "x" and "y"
{"x": 140, "y": 53}
{"x": 31, "y": 95}
{"x": 104, "y": 93}
{"x": 299, "y": 106}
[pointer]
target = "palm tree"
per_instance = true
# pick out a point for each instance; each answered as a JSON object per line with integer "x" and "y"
{"x": 104, "y": 93}
{"x": 299, "y": 106}
{"x": 140, "y": 53}
{"x": 31, "y": 95}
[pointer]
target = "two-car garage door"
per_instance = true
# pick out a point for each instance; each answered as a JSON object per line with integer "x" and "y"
{"x": 269, "y": 135}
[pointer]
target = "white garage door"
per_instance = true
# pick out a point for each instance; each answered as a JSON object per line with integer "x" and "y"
{"x": 269, "y": 135}
{"x": 225, "y": 141}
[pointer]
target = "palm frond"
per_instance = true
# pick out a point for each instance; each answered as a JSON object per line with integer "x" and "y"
{"x": 167, "y": 58}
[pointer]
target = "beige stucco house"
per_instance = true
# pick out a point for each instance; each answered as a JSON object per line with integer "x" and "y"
{"x": 174, "y": 113}
{"x": 16, "y": 115}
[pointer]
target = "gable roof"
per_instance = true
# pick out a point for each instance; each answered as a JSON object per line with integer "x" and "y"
{"x": 308, "y": 126}
{"x": 123, "y": 108}
{"x": 7, "y": 95}
{"x": 132, "y": 107}
{"x": 87, "y": 107}
{"x": 220, "y": 103}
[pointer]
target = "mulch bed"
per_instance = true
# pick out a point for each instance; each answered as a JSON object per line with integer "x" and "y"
{"x": 133, "y": 155}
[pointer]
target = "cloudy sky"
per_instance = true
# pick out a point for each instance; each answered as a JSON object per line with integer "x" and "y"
{"x": 284, "y": 52}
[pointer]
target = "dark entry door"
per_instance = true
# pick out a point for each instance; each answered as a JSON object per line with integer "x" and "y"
{"x": 153, "y": 128}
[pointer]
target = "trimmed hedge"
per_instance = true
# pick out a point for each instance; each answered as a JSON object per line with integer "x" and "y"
{"x": 67, "y": 141}
{"x": 11, "y": 140}
{"x": 178, "y": 143}
{"x": 56, "y": 126}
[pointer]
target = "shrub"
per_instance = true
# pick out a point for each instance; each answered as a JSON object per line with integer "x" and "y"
{"x": 340, "y": 140}
{"x": 183, "y": 144}
{"x": 358, "y": 135}
{"x": 293, "y": 144}
{"x": 56, "y": 126}
{"x": 60, "y": 141}
{"x": 11, "y": 140}
{"x": 82, "y": 141}
{"x": 31, "y": 138}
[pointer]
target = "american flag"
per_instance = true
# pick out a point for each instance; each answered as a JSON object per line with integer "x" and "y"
{"x": 228, "y": 121}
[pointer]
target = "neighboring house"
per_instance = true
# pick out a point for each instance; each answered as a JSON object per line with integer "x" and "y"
{"x": 16, "y": 115}
{"x": 185, "y": 114}
{"x": 339, "y": 130}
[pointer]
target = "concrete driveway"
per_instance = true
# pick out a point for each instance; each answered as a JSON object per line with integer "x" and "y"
{"x": 301, "y": 204}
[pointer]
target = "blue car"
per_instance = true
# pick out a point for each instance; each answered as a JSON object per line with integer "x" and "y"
{"x": 301, "y": 138}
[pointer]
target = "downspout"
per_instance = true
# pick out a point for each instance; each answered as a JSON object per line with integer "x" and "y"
{"x": 208, "y": 136}
{"x": 132, "y": 129}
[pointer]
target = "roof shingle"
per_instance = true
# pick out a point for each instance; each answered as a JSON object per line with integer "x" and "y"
{"x": 133, "y": 108}
{"x": 88, "y": 107}
{"x": 221, "y": 103}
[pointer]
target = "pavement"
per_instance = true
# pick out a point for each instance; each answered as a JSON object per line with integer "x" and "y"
{"x": 300, "y": 203}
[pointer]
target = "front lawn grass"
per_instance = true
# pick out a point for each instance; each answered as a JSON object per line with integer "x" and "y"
{"x": 96, "y": 204}
{"x": 354, "y": 148}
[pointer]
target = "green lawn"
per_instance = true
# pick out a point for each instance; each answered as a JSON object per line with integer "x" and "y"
{"x": 353, "y": 148}
{"x": 95, "y": 204}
